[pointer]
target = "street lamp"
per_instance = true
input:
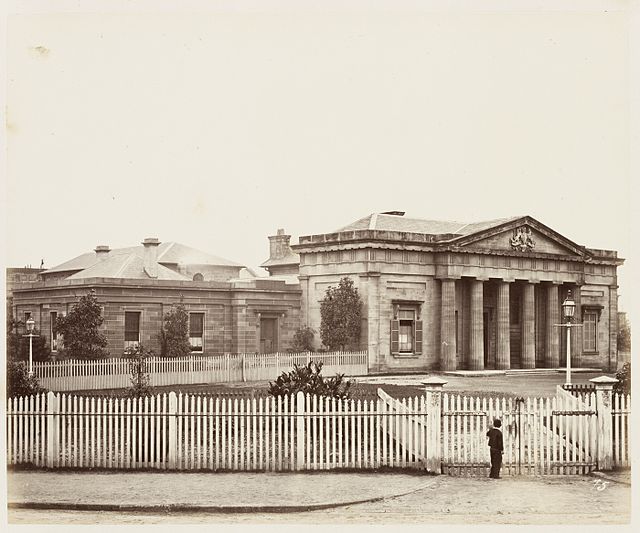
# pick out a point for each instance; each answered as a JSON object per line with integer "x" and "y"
{"x": 31, "y": 323}
{"x": 568, "y": 310}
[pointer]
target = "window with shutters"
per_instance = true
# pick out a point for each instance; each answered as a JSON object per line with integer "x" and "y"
{"x": 590, "y": 330}
{"x": 131, "y": 329}
{"x": 406, "y": 331}
{"x": 196, "y": 331}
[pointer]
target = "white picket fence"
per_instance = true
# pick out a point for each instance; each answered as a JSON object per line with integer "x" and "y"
{"x": 434, "y": 432}
{"x": 77, "y": 375}
{"x": 195, "y": 432}
{"x": 621, "y": 411}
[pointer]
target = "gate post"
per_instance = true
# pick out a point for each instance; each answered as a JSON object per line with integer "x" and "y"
{"x": 433, "y": 390}
{"x": 53, "y": 452}
{"x": 604, "y": 388}
{"x": 172, "y": 437}
{"x": 300, "y": 429}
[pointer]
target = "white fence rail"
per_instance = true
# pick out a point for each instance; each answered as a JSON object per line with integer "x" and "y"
{"x": 76, "y": 375}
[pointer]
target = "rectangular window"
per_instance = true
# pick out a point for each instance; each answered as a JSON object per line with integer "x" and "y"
{"x": 53, "y": 334}
{"x": 196, "y": 331}
{"x": 590, "y": 331}
{"x": 131, "y": 329}
{"x": 406, "y": 333}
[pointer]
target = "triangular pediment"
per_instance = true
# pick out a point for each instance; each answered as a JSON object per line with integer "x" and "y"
{"x": 523, "y": 235}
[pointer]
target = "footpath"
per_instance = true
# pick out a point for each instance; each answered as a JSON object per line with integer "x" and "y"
{"x": 204, "y": 492}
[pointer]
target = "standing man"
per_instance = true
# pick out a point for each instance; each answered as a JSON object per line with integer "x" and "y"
{"x": 496, "y": 447}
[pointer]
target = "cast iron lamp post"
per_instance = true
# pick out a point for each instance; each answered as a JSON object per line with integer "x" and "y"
{"x": 30, "y": 327}
{"x": 568, "y": 311}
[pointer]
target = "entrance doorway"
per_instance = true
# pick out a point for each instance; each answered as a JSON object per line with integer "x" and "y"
{"x": 268, "y": 335}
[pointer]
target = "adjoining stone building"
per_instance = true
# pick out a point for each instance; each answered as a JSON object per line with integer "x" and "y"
{"x": 447, "y": 295}
{"x": 230, "y": 309}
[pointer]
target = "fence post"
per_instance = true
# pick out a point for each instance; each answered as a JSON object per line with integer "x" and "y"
{"x": 52, "y": 428}
{"x": 300, "y": 431}
{"x": 433, "y": 389}
{"x": 173, "y": 437}
{"x": 604, "y": 388}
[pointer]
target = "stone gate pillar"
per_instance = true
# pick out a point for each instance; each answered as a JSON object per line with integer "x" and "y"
{"x": 433, "y": 390}
{"x": 604, "y": 392}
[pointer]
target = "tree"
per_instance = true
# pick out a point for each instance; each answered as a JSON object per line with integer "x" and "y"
{"x": 309, "y": 379}
{"x": 175, "y": 333}
{"x": 340, "y": 312}
{"x": 139, "y": 370}
{"x": 18, "y": 344}
{"x": 624, "y": 333}
{"x": 303, "y": 340}
{"x": 79, "y": 330}
{"x": 623, "y": 386}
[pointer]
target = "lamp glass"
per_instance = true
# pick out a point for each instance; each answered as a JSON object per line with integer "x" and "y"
{"x": 30, "y": 324}
{"x": 568, "y": 307}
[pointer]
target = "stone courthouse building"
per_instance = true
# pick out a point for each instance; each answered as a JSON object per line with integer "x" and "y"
{"x": 437, "y": 295}
{"x": 447, "y": 295}
{"x": 230, "y": 309}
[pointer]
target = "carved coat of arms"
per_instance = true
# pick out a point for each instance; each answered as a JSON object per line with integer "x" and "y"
{"x": 522, "y": 239}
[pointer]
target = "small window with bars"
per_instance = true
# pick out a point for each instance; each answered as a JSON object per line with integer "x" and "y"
{"x": 196, "y": 331}
{"x": 131, "y": 329}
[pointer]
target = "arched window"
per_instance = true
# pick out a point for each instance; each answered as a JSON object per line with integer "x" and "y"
{"x": 198, "y": 277}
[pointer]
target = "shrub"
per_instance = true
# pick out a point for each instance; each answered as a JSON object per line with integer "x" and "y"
{"x": 309, "y": 379}
{"x": 139, "y": 370}
{"x": 303, "y": 340}
{"x": 19, "y": 382}
{"x": 624, "y": 380}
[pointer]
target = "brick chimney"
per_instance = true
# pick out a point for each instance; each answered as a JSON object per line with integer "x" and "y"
{"x": 102, "y": 252}
{"x": 151, "y": 256}
{"x": 279, "y": 245}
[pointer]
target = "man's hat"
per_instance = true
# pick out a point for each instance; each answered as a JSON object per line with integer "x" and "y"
{"x": 497, "y": 423}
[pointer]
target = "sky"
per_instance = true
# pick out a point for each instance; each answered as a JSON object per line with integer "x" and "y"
{"x": 215, "y": 127}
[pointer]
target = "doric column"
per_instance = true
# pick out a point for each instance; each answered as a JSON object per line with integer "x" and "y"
{"x": 552, "y": 355}
{"x": 503, "y": 352}
{"x": 476, "y": 357}
{"x": 448, "y": 325}
{"x": 528, "y": 357}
